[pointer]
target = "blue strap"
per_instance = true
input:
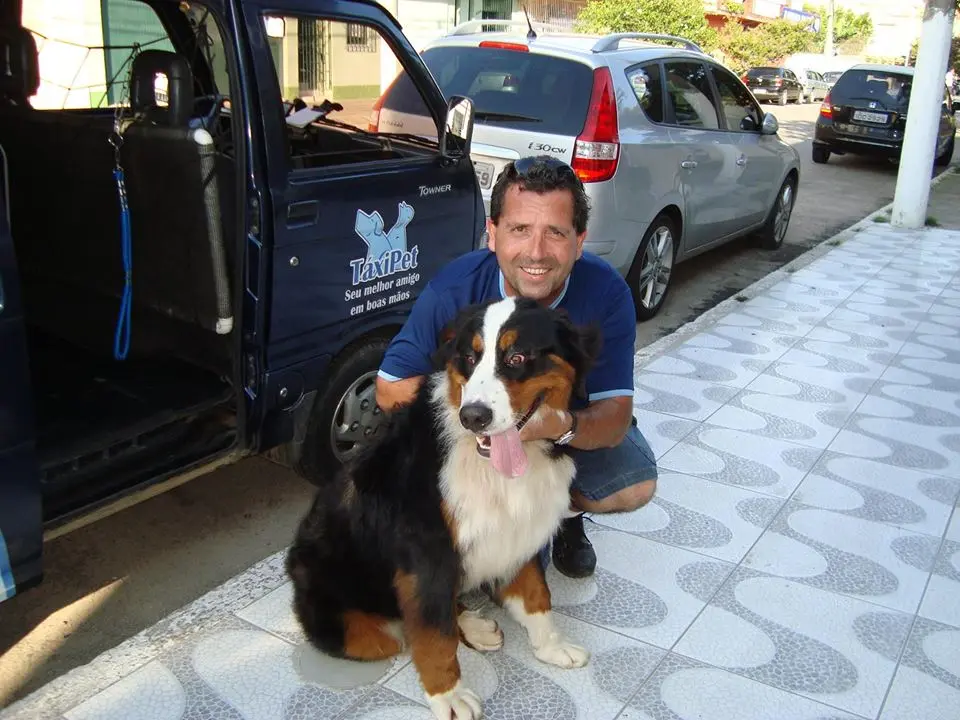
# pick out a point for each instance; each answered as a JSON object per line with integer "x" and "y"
{"x": 121, "y": 339}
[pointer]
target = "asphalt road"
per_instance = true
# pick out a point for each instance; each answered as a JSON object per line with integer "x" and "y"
{"x": 107, "y": 581}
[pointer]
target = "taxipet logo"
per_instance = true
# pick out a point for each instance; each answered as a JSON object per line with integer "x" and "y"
{"x": 387, "y": 252}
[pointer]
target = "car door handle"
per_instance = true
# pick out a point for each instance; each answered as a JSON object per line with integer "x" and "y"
{"x": 302, "y": 213}
{"x": 742, "y": 160}
{"x": 688, "y": 164}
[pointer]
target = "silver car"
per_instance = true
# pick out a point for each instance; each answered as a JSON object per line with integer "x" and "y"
{"x": 676, "y": 154}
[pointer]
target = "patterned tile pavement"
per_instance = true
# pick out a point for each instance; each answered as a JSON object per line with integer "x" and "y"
{"x": 801, "y": 559}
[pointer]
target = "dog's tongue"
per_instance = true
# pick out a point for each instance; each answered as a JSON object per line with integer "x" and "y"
{"x": 506, "y": 453}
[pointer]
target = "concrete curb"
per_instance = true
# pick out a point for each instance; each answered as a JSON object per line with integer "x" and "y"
{"x": 649, "y": 352}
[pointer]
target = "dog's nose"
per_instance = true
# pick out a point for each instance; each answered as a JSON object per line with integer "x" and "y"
{"x": 475, "y": 417}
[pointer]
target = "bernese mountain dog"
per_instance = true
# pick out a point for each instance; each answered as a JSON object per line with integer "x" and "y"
{"x": 448, "y": 501}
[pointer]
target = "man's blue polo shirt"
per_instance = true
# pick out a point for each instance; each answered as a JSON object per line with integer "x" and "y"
{"x": 594, "y": 293}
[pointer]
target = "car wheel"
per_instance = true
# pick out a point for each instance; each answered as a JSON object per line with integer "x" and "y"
{"x": 652, "y": 269}
{"x": 782, "y": 100}
{"x": 820, "y": 154}
{"x": 345, "y": 416}
{"x": 773, "y": 232}
{"x": 946, "y": 156}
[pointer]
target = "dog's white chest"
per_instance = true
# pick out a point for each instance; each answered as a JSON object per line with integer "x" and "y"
{"x": 502, "y": 522}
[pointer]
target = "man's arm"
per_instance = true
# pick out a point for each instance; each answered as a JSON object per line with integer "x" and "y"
{"x": 393, "y": 393}
{"x": 603, "y": 423}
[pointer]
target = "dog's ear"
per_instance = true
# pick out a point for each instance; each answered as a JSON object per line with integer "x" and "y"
{"x": 447, "y": 340}
{"x": 581, "y": 345}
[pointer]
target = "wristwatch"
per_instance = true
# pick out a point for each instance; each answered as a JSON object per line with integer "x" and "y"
{"x": 569, "y": 434}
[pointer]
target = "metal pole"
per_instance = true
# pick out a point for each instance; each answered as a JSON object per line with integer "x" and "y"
{"x": 923, "y": 120}
{"x": 828, "y": 43}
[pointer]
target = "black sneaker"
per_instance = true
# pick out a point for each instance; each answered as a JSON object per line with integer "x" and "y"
{"x": 573, "y": 554}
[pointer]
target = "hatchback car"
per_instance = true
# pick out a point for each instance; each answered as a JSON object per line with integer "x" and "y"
{"x": 676, "y": 154}
{"x": 774, "y": 83}
{"x": 865, "y": 113}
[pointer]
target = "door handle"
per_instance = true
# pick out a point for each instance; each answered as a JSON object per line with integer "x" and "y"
{"x": 688, "y": 164}
{"x": 302, "y": 213}
{"x": 742, "y": 160}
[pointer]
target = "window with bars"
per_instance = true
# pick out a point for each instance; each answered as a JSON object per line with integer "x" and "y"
{"x": 360, "y": 38}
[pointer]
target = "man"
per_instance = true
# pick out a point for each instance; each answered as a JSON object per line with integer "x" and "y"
{"x": 537, "y": 226}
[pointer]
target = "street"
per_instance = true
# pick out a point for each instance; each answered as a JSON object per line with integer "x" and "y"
{"x": 107, "y": 581}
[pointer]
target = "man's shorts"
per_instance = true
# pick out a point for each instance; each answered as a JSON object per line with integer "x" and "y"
{"x": 601, "y": 473}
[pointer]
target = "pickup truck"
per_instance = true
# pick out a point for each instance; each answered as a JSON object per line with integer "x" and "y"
{"x": 206, "y": 258}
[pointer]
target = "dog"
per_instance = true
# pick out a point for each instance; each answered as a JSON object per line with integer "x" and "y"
{"x": 449, "y": 501}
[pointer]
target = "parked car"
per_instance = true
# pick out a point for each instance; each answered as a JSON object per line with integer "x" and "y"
{"x": 774, "y": 83}
{"x": 676, "y": 154}
{"x": 815, "y": 88}
{"x": 831, "y": 77}
{"x": 272, "y": 254}
{"x": 865, "y": 113}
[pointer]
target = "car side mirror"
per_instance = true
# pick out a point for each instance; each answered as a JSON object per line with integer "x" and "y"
{"x": 457, "y": 128}
{"x": 956, "y": 106}
{"x": 770, "y": 125}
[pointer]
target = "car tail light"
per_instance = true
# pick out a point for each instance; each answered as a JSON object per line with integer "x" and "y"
{"x": 373, "y": 124}
{"x": 597, "y": 148}
{"x": 518, "y": 47}
{"x": 826, "y": 108}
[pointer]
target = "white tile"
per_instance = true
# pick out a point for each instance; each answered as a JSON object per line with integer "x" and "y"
{"x": 684, "y": 689}
{"x": 940, "y": 599}
{"x": 661, "y": 431}
{"x": 643, "y": 589}
{"x": 689, "y": 512}
{"x": 680, "y": 396}
{"x": 766, "y": 465}
{"x": 513, "y": 683}
{"x": 830, "y": 648}
{"x": 843, "y": 554}
{"x": 150, "y": 692}
{"x": 927, "y": 684}
{"x": 874, "y": 491}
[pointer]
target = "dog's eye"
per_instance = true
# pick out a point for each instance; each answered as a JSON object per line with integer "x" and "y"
{"x": 516, "y": 359}
{"x": 471, "y": 360}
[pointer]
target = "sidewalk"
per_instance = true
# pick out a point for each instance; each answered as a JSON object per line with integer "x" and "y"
{"x": 801, "y": 559}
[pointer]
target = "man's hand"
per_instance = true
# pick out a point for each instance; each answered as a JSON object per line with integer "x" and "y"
{"x": 394, "y": 393}
{"x": 601, "y": 424}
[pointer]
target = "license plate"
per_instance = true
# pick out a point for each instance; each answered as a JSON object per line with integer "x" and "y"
{"x": 873, "y": 117}
{"x": 484, "y": 174}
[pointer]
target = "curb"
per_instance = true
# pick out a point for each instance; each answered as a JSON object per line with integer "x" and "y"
{"x": 662, "y": 345}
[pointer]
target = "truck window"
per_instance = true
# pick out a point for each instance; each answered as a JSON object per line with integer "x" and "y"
{"x": 74, "y": 72}
{"x": 341, "y": 69}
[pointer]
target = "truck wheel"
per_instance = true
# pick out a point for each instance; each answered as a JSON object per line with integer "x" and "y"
{"x": 345, "y": 416}
{"x": 771, "y": 235}
{"x": 652, "y": 269}
{"x": 820, "y": 154}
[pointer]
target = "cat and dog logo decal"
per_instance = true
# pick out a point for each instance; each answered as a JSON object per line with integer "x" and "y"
{"x": 387, "y": 251}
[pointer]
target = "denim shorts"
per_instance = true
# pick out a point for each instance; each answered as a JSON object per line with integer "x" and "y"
{"x": 601, "y": 473}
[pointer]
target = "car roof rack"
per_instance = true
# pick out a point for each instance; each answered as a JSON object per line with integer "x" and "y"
{"x": 471, "y": 27}
{"x": 612, "y": 41}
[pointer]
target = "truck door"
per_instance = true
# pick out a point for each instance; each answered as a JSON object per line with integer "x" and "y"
{"x": 20, "y": 505}
{"x": 363, "y": 213}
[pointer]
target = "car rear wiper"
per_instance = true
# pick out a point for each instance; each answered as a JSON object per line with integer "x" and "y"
{"x": 481, "y": 115}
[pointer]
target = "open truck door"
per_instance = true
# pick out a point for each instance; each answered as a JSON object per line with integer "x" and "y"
{"x": 21, "y": 523}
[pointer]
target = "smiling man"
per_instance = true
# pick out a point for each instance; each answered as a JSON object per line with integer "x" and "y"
{"x": 537, "y": 226}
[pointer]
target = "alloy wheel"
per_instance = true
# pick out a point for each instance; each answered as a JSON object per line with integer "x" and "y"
{"x": 784, "y": 209}
{"x": 656, "y": 268}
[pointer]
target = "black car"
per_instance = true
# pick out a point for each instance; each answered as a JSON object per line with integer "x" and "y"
{"x": 774, "y": 83}
{"x": 865, "y": 113}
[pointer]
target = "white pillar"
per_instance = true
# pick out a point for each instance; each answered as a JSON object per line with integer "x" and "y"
{"x": 923, "y": 120}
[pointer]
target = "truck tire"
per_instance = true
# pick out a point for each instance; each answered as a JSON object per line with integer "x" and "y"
{"x": 345, "y": 416}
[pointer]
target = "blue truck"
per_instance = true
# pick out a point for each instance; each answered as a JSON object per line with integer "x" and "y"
{"x": 202, "y": 265}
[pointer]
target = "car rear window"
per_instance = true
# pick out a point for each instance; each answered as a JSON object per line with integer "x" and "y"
{"x": 512, "y": 89}
{"x": 862, "y": 86}
{"x": 764, "y": 72}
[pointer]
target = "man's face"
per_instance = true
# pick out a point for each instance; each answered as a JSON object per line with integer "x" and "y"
{"x": 536, "y": 242}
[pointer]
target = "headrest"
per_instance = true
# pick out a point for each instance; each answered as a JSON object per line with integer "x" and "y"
{"x": 143, "y": 96}
{"x": 19, "y": 63}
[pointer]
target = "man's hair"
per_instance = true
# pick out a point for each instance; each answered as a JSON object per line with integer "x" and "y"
{"x": 541, "y": 174}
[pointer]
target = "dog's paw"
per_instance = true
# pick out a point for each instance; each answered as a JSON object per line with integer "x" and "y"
{"x": 479, "y": 632}
{"x": 563, "y": 654}
{"x": 460, "y": 703}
